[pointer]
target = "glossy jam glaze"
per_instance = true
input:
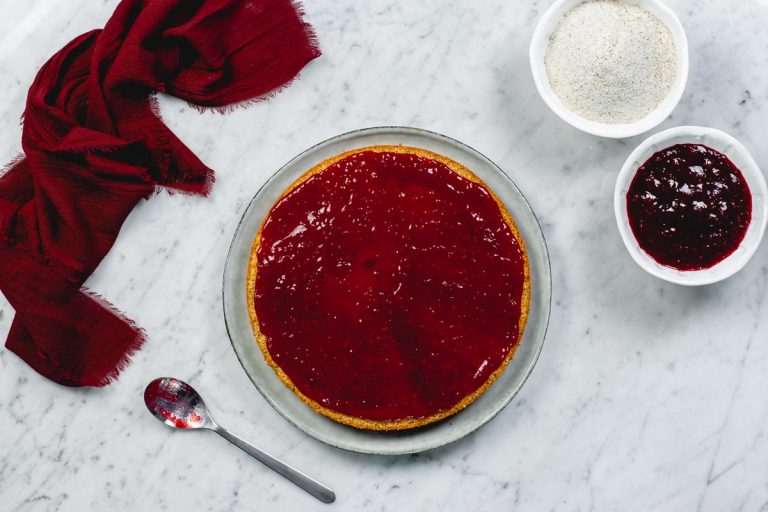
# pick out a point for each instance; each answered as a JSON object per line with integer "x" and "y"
{"x": 389, "y": 287}
{"x": 689, "y": 206}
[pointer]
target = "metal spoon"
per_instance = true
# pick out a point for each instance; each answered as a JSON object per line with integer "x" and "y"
{"x": 178, "y": 405}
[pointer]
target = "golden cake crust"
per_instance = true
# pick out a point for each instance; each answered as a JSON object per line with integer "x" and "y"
{"x": 405, "y": 423}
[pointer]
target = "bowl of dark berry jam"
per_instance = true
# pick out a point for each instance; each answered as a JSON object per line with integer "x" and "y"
{"x": 691, "y": 205}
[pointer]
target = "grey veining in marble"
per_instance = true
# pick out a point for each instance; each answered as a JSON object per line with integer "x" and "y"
{"x": 647, "y": 396}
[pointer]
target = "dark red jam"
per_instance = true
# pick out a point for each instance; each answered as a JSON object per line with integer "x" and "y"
{"x": 689, "y": 207}
{"x": 388, "y": 286}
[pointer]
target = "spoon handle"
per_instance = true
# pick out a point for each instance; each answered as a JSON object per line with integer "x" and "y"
{"x": 310, "y": 485}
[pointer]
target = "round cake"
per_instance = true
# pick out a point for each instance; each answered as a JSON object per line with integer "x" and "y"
{"x": 388, "y": 287}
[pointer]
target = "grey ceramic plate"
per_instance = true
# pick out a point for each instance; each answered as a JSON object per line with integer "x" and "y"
{"x": 408, "y": 441}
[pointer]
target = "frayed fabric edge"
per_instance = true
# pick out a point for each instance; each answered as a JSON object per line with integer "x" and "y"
{"x": 314, "y": 44}
{"x": 139, "y": 338}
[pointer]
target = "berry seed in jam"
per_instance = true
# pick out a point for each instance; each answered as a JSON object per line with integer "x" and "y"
{"x": 689, "y": 207}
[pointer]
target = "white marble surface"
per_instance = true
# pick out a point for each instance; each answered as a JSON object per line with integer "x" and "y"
{"x": 647, "y": 396}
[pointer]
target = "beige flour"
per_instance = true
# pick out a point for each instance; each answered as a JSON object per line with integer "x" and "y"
{"x": 611, "y": 62}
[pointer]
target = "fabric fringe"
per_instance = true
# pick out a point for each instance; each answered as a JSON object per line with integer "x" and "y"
{"x": 309, "y": 30}
{"x": 10, "y": 165}
{"x": 138, "y": 341}
{"x": 154, "y": 106}
{"x": 207, "y": 175}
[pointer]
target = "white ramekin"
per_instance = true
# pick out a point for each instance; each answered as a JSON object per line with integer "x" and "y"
{"x": 739, "y": 155}
{"x": 548, "y": 23}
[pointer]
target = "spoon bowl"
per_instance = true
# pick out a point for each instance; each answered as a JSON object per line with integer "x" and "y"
{"x": 177, "y": 404}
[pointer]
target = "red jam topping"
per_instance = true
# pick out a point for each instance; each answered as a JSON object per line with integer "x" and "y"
{"x": 388, "y": 286}
{"x": 689, "y": 207}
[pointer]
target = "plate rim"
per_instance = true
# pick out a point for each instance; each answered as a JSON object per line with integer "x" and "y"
{"x": 455, "y": 436}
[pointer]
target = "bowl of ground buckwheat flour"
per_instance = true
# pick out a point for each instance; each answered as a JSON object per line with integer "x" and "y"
{"x": 613, "y": 68}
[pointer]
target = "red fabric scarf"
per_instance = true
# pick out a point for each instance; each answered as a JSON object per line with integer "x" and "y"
{"x": 94, "y": 146}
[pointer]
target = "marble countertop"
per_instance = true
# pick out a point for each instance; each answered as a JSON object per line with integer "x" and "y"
{"x": 647, "y": 395}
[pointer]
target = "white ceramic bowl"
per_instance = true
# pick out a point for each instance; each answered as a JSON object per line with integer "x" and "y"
{"x": 540, "y": 40}
{"x": 739, "y": 155}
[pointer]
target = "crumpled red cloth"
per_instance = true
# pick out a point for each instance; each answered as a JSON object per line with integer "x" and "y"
{"x": 94, "y": 146}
